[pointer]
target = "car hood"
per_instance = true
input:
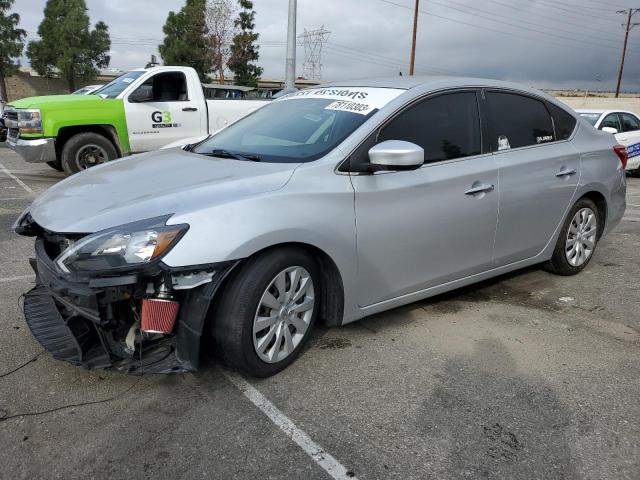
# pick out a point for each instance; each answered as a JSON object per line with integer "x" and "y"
{"x": 149, "y": 185}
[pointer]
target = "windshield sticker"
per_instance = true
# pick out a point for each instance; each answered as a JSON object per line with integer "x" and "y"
{"x": 355, "y": 100}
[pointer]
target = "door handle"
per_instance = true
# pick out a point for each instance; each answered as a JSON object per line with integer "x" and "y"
{"x": 566, "y": 173}
{"x": 480, "y": 189}
{"x": 189, "y": 109}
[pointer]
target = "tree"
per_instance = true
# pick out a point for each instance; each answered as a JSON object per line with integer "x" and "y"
{"x": 11, "y": 44}
{"x": 185, "y": 42}
{"x": 221, "y": 27}
{"x": 244, "y": 50}
{"x": 67, "y": 46}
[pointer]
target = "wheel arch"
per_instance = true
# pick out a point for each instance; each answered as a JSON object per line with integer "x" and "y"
{"x": 332, "y": 288}
{"x": 107, "y": 131}
{"x": 601, "y": 203}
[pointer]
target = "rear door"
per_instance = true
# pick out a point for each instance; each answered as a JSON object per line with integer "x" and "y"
{"x": 174, "y": 112}
{"x": 629, "y": 136}
{"x": 538, "y": 172}
{"x": 417, "y": 229}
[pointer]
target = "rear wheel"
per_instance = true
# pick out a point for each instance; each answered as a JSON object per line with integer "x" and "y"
{"x": 578, "y": 239}
{"x": 267, "y": 311}
{"x": 86, "y": 150}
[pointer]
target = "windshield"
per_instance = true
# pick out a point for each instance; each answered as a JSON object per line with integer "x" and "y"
{"x": 299, "y": 128}
{"x": 592, "y": 118}
{"x": 117, "y": 86}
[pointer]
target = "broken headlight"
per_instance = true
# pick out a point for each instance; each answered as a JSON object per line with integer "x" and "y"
{"x": 123, "y": 247}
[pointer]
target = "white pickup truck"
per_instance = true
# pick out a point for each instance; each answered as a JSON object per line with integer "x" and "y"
{"x": 142, "y": 110}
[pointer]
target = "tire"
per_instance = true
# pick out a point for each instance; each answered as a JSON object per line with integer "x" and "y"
{"x": 85, "y": 150}
{"x": 56, "y": 165}
{"x": 242, "y": 302}
{"x": 585, "y": 233}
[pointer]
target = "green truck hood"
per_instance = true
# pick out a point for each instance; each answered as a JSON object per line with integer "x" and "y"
{"x": 64, "y": 111}
{"x": 55, "y": 101}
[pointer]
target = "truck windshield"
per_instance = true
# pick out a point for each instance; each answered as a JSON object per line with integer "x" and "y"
{"x": 287, "y": 131}
{"x": 117, "y": 86}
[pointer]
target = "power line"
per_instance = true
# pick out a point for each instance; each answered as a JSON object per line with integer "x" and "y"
{"x": 484, "y": 27}
{"x": 558, "y": 20}
{"x": 490, "y": 16}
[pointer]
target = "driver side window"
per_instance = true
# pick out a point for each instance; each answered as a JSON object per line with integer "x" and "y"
{"x": 163, "y": 87}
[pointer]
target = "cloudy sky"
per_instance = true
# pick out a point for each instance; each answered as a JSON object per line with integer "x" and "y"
{"x": 543, "y": 43}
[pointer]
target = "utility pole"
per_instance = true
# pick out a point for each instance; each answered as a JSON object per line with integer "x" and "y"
{"x": 630, "y": 13}
{"x": 413, "y": 43}
{"x": 290, "y": 74}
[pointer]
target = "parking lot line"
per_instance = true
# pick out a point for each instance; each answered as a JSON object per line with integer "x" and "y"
{"x": 18, "y": 181}
{"x": 18, "y": 278}
{"x": 326, "y": 461}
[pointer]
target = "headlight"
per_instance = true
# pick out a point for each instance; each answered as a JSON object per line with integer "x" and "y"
{"x": 29, "y": 121}
{"x": 123, "y": 247}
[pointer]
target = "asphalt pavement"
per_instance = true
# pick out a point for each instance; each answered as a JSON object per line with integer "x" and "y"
{"x": 528, "y": 376}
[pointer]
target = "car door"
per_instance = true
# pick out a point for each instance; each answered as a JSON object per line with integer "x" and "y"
{"x": 538, "y": 172}
{"x": 629, "y": 136}
{"x": 421, "y": 228}
{"x": 170, "y": 112}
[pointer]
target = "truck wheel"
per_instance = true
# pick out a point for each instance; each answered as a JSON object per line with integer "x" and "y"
{"x": 267, "y": 311}
{"x": 86, "y": 150}
{"x": 56, "y": 165}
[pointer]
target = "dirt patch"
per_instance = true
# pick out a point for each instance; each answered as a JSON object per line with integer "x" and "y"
{"x": 332, "y": 343}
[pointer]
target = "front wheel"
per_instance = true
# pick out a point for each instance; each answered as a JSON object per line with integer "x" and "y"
{"x": 267, "y": 311}
{"x": 86, "y": 150}
{"x": 578, "y": 239}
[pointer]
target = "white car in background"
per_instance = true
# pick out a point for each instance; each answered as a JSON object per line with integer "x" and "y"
{"x": 626, "y": 128}
{"x": 88, "y": 90}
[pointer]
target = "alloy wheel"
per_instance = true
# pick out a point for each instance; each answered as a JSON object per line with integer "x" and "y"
{"x": 284, "y": 314}
{"x": 581, "y": 237}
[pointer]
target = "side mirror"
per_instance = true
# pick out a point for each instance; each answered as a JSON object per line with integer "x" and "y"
{"x": 144, "y": 93}
{"x": 395, "y": 155}
{"x": 610, "y": 130}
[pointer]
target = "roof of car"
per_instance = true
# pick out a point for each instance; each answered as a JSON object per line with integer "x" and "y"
{"x": 599, "y": 111}
{"x": 437, "y": 81}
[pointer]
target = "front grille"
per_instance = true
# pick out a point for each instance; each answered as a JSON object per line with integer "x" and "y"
{"x": 11, "y": 119}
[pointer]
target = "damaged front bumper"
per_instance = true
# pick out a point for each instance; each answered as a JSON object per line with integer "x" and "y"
{"x": 94, "y": 322}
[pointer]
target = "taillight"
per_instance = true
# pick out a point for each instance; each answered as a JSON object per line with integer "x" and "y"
{"x": 621, "y": 152}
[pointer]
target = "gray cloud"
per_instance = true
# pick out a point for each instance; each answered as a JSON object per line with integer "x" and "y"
{"x": 544, "y": 43}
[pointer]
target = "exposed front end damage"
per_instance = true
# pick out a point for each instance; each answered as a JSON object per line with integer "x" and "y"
{"x": 96, "y": 320}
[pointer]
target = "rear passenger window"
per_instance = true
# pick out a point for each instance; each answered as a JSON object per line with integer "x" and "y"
{"x": 518, "y": 121}
{"x": 563, "y": 121}
{"x": 446, "y": 127}
{"x": 629, "y": 122}
{"x": 611, "y": 121}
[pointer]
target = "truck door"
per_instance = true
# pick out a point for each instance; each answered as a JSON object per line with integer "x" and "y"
{"x": 163, "y": 110}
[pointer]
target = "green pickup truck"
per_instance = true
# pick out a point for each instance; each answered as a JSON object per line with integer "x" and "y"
{"x": 142, "y": 110}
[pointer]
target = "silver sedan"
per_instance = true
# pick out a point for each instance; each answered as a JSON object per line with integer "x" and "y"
{"x": 329, "y": 204}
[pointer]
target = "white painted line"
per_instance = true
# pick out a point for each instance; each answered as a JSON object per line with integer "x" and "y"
{"x": 19, "y": 198}
{"x": 17, "y": 279}
{"x": 315, "y": 451}
{"x": 632, "y": 205}
{"x": 18, "y": 181}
